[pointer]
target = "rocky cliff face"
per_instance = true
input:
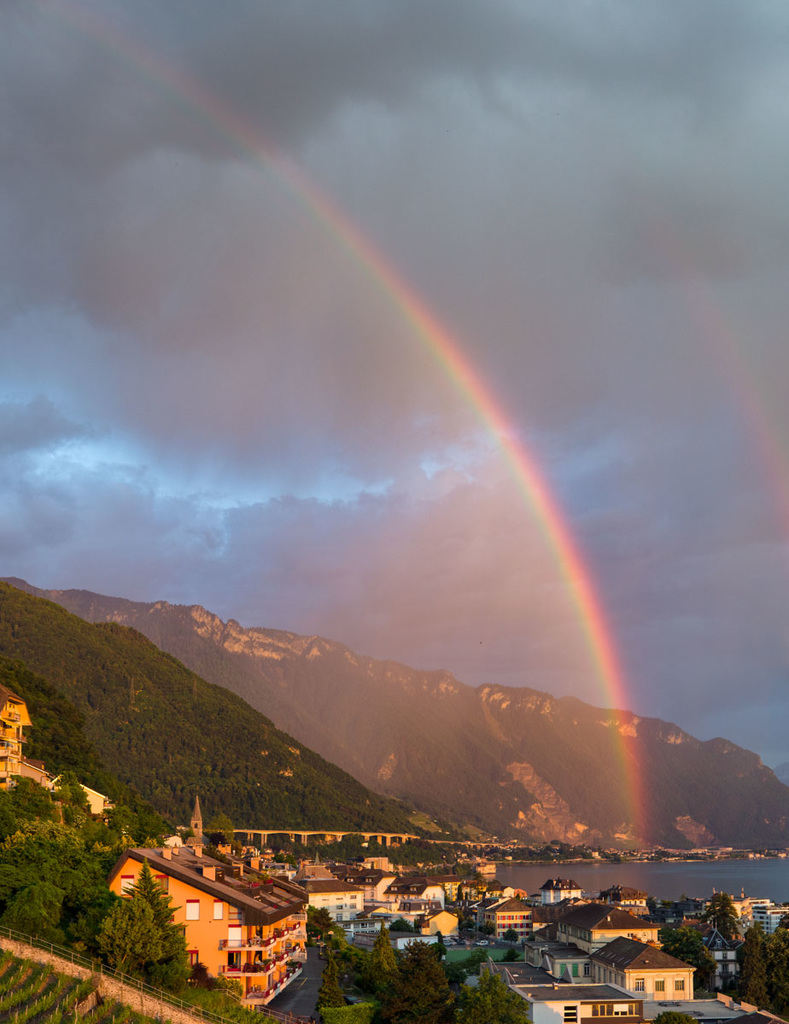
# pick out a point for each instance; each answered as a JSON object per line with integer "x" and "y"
{"x": 513, "y": 761}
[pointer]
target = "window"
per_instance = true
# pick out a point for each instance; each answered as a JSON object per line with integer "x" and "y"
{"x": 575, "y": 970}
{"x": 587, "y": 969}
{"x": 164, "y": 882}
{"x": 194, "y": 957}
{"x": 219, "y": 910}
{"x": 193, "y": 910}
{"x": 660, "y": 984}
{"x": 679, "y": 984}
{"x": 127, "y": 884}
{"x": 570, "y": 1015}
{"x": 640, "y": 985}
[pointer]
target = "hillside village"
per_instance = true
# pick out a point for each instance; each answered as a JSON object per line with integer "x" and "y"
{"x": 243, "y": 918}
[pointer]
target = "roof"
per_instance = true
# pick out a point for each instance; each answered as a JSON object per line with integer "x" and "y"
{"x": 519, "y": 973}
{"x": 628, "y": 953}
{"x": 261, "y": 903}
{"x": 602, "y": 917}
{"x": 6, "y": 695}
{"x": 559, "y": 883}
{"x": 412, "y": 884}
{"x": 510, "y": 905}
{"x": 563, "y": 992}
{"x": 623, "y": 892}
{"x": 319, "y": 885}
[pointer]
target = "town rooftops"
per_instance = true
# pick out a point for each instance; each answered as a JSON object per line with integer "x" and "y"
{"x": 629, "y": 953}
{"x": 261, "y": 902}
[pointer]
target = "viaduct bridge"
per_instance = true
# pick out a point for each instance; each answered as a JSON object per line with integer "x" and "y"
{"x": 250, "y": 835}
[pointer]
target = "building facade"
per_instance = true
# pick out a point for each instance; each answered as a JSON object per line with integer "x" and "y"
{"x": 13, "y": 719}
{"x": 236, "y": 922}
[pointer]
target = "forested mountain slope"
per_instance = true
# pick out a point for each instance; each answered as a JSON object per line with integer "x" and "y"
{"x": 160, "y": 727}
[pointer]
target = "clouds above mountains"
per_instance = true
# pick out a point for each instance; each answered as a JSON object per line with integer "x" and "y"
{"x": 211, "y": 394}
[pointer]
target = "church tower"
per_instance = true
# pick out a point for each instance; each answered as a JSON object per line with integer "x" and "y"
{"x": 196, "y": 824}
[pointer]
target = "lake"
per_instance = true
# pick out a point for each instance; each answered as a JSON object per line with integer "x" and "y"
{"x": 667, "y": 881}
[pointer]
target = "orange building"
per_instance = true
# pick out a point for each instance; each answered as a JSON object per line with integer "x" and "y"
{"x": 13, "y": 717}
{"x": 236, "y": 921}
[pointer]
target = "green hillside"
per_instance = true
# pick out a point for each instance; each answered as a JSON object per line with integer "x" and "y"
{"x": 162, "y": 729}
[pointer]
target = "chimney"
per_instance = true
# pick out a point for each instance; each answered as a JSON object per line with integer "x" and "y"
{"x": 198, "y": 851}
{"x": 167, "y": 853}
{"x": 209, "y": 872}
{"x": 174, "y": 851}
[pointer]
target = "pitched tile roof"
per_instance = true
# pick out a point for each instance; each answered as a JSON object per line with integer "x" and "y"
{"x": 261, "y": 903}
{"x": 601, "y": 917}
{"x": 628, "y": 953}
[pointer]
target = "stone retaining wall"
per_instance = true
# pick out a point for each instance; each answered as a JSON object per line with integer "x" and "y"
{"x": 107, "y": 988}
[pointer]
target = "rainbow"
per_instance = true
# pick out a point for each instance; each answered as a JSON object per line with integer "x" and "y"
{"x": 525, "y": 470}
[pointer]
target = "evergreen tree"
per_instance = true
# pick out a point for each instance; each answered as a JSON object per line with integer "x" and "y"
{"x": 777, "y": 969}
{"x": 753, "y": 971}
{"x": 382, "y": 964}
{"x": 491, "y": 1002}
{"x": 420, "y": 990}
{"x": 170, "y": 967}
{"x": 722, "y": 914}
{"x": 330, "y": 993}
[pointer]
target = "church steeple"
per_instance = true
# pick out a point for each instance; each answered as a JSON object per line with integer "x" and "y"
{"x": 196, "y": 823}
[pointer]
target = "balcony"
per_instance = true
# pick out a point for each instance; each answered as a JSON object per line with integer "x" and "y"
{"x": 239, "y": 970}
{"x": 250, "y": 942}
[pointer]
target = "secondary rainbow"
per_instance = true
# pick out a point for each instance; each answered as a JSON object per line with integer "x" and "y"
{"x": 524, "y": 467}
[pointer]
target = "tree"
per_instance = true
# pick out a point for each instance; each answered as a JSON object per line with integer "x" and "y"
{"x": 36, "y": 910}
{"x": 673, "y": 1017}
{"x": 138, "y": 934}
{"x": 170, "y": 967}
{"x": 777, "y": 968}
{"x": 420, "y": 990}
{"x": 382, "y": 964}
{"x": 511, "y": 935}
{"x": 129, "y": 938}
{"x": 686, "y": 944}
{"x": 319, "y": 921}
{"x": 722, "y": 914}
{"x": 491, "y": 1002}
{"x": 753, "y": 971}
{"x": 220, "y": 826}
{"x": 401, "y": 925}
{"x": 330, "y": 993}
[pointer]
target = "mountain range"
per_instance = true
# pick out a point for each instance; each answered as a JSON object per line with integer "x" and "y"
{"x": 513, "y": 762}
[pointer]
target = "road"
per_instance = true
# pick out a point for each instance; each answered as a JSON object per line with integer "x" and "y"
{"x": 301, "y": 996}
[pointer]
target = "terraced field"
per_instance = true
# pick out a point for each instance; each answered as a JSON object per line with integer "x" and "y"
{"x": 32, "y": 993}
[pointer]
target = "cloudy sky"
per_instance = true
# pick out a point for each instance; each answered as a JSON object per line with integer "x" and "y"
{"x": 213, "y": 392}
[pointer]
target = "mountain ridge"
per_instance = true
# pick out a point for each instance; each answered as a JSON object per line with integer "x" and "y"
{"x": 510, "y": 760}
{"x": 163, "y": 729}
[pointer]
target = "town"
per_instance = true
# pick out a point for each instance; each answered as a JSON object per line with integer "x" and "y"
{"x": 238, "y": 916}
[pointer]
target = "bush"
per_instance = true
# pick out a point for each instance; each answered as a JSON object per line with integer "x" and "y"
{"x": 361, "y": 1013}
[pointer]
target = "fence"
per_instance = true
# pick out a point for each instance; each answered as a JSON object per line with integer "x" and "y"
{"x": 134, "y": 988}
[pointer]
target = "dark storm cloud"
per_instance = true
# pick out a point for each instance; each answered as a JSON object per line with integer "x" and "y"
{"x": 209, "y": 397}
